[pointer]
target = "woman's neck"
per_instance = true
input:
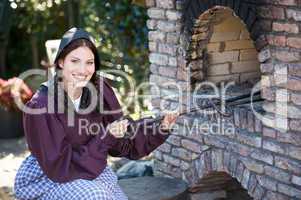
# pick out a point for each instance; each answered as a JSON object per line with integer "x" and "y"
{"x": 73, "y": 93}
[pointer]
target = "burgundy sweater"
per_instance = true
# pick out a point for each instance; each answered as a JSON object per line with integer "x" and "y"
{"x": 65, "y": 155}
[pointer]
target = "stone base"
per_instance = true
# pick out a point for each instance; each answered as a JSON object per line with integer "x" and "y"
{"x": 154, "y": 188}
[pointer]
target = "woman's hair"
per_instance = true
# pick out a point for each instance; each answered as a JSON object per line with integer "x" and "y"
{"x": 86, "y": 95}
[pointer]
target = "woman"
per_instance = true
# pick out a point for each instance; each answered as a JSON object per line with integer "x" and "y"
{"x": 69, "y": 162}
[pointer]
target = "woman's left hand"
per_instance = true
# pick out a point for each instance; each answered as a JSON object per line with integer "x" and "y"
{"x": 169, "y": 120}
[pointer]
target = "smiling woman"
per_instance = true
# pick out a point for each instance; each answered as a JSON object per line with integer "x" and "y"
{"x": 77, "y": 67}
{"x": 67, "y": 162}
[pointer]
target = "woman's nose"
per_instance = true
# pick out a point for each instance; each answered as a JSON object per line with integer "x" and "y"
{"x": 82, "y": 68}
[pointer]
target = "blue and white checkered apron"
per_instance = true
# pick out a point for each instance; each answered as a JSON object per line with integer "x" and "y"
{"x": 32, "y": 183}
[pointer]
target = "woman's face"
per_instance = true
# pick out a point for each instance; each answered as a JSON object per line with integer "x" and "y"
{"x": 77, "y": 67}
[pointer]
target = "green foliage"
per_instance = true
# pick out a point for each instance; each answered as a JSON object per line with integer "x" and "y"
{"x": 32, "y": 18}
{"x": 121, "y": 29}
{"x": 118, "y": 25}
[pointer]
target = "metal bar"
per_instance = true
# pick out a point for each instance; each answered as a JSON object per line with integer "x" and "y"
{"x": 234, "y": 101}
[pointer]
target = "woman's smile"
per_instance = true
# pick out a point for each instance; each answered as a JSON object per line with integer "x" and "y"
{"x": 79, "y": 77}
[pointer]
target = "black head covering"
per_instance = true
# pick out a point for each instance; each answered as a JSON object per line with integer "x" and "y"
{"x": 73, "y": 34}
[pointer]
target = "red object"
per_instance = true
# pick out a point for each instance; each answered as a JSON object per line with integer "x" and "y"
{"x": 13, "y": 87}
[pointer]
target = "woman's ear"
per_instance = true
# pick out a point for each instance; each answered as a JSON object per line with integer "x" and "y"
{"x": 61, "y": 63}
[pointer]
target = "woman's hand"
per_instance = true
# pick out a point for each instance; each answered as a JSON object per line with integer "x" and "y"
{"x": 169, "y": 120}
{"x": 118, "y": 128}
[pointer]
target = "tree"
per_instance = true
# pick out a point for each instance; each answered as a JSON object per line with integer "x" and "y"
{"x": 119, "y": 26}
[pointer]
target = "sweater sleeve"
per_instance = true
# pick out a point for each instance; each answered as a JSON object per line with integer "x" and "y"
{"x": 145, "y": 140}
{"x": 59, "y": 160}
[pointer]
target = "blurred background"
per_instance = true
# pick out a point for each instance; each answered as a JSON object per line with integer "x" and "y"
{"x": 119, "y": 27}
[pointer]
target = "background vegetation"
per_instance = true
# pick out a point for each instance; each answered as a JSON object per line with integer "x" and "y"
{"x": 118, "y": 25}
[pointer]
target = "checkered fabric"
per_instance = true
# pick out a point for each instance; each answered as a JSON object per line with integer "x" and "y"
{"x": 32, "y": 183}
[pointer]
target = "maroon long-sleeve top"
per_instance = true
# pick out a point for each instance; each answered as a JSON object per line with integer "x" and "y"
{"x": 65, "y": 155}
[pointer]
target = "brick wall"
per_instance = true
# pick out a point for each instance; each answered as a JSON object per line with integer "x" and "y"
{"x": 263, "y": 153}
{"x": 231, "y": 52}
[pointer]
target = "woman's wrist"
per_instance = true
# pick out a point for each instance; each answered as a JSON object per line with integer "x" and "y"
{"x": 164, "y": 128}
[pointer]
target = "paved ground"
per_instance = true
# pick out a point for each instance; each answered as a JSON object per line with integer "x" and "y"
{"x": 12, "y": 153}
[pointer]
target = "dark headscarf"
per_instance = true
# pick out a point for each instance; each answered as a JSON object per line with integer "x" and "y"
{"x": 105, "y": 96}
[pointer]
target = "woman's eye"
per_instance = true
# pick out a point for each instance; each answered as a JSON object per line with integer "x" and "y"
{"x": 90, "y": 63}
{"x": 74, "y": 61}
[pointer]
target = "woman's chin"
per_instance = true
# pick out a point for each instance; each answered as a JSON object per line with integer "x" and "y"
{"x": 79, "y": 84}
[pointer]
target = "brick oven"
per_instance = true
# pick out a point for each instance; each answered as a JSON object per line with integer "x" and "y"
{"x": 237, "y": 45}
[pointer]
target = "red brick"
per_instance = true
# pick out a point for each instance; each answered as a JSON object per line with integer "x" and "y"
{"x": 258, "y": 125}
{"x": 294, "y": 42}
{"x": 169, "y": 4}
{"x": 250, "y": 54}
{"x": 168, "y": 71}
{"x": 273, "y": 146}
{"x": 236, "y": 117}
{"x": 290, "y": 191}
{"x": 151, "y": 24}
{"x": 277, "y": 40}
{"x": 238, "y": 44}
{"x": 150, "y": 3}
{"x": 285, "y": 2}
{"x": 277, "y": 13}
{"x": 287, "y": 56}
{"x": 268, "y": 132}
{"x": 165, "y": 148}
{"x": 295, "y": 125}
{"x": 294, "y": 69}
{"x": 290, "y": 28}
{"x": 227, "y": 56}
{"x": 171, "y": 160}
{"x": 152, "y": 46}
{"x": 267, "y": 182}
{"x": 277, "y": 174}
{"x": 182, "y": 74}
{"x": 275, "y": 196}
{"x": 267, "y": 67}
{"x": 154, "y": 68}
{"x": 288, "y": 164}
{"x": 167, "y": 48}
{"x": 294, "y": 152}
{"x": 174, "y": 140}
{"x": 268, "y": 94}
{"x": 193, "y": 146}
{"x": 245, "y": 66}
{"x": 289, "y": 137}
{"x": 294, "y": 14}
{"x": 262, "y": 156}
{"x": 293, "y": 84}
{"x": 296, "y": 180}
{"x": 272, "y": 12}
{"x": 218, "y": 69}
{"x": 296, "y": 99}
{"x": 156, "y": 102}
{"x": 156, "y": 13}
{"x": 253, "y": 165}
{"x": 267, "y": 80}
{"x": 250, "y": 121}
{"x": 181, "y": 153}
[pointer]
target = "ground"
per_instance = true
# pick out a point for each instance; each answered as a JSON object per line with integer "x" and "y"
{"x": 12, "y": 153}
